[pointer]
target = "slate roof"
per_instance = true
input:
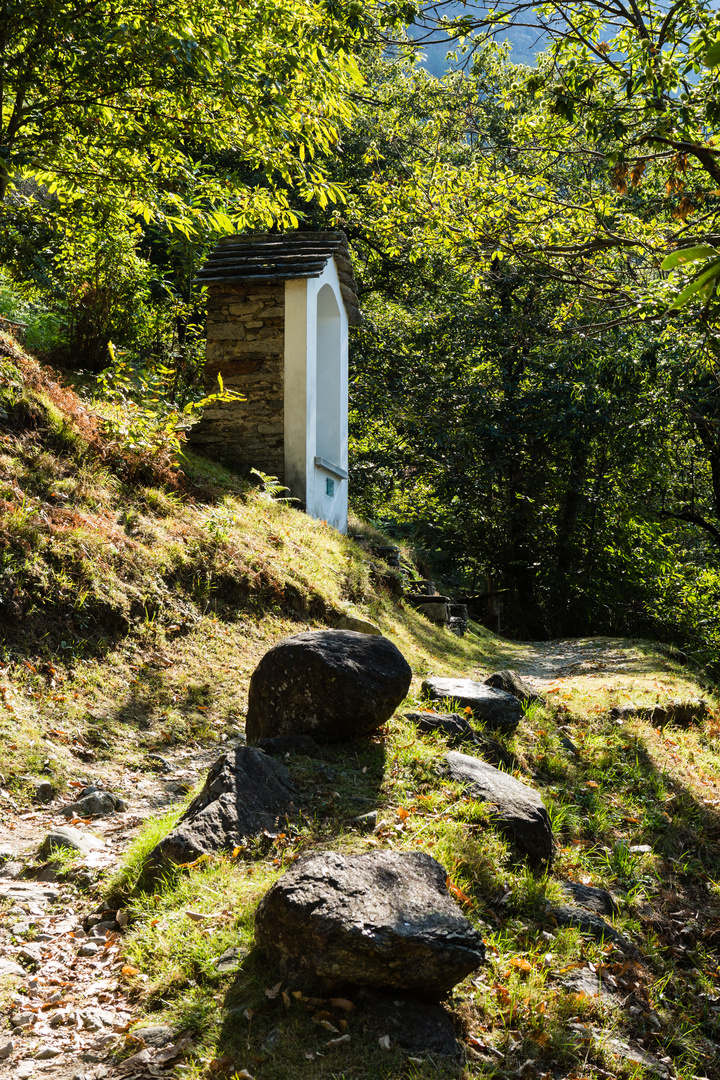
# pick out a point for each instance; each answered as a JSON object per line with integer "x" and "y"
{"x": 268, "y": 257}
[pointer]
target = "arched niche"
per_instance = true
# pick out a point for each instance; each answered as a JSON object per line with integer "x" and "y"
{"x": 328, "y": 377}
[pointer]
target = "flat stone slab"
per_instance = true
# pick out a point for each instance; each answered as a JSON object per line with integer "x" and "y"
{"x": 587, "y": 896}
{"x": 383, "y": 919}
{"x": 29, "y": 891}
{"x": 245, "y": 792}
{"x": 495, "y": 708}
{"x": 333, "y": 685}
{"x": 680, "y": 711}
{"x": 590, "y": 923}
{"x": 519, "y": 809}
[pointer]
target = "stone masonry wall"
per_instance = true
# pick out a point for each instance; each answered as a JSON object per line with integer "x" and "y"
{"x": 245, "y": 344}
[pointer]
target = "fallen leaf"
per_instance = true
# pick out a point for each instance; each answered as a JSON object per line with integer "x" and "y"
{"x": 286, "y": 999}
{"x": 453, "y": 888}
{"x": 384, "y": 1042}
{"x": 244, "y": 1075}
{"x": 591, "y": 783}
{"x": 521, "y": 964}
{"x": 129, "y": 970}
{"x": 221, "y": 1063}
{"x": 200, "y": 916}
{"x": 273, "y": 991}
{"x": 338, "y": 1042}
{"x": 341, "y": 1003}
{"x": 403, "y": 814}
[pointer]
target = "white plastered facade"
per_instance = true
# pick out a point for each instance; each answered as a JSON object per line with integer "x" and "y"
{"x": 316, "y": 396}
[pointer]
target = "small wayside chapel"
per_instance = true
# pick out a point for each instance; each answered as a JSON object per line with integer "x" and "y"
{"x": 278, "y": 312}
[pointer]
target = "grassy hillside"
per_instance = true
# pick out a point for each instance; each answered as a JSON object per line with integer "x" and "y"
{"x": 137, "y": 599}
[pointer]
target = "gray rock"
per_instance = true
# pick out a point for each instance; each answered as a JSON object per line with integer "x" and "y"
{"x": 627, "y": 1052}
{"x": 417, "y": 1026}
{"x": 680, "y": 711}
{"x": 47, "y": 872}
{"x": 520, "y": 812}
{"x": 598, "y": 900}
{"x": 288, "y": 744}
{"x": 95, "y": 804}
{"x": 494, "y": 707}
{"x": 433, "y": 608}
{"x": 453, "y": 726}
{"x": 46, "y": 1053}
{"x": 6, "y": 1050}
{"x": 330, "y": 684}
{"x": 360, "y": 626}
{"x": 28, "y": 891}
{"x": 22, "y": 1019}
{"x": 569, "y": 745}
{"x": 514, "y": 684}
{"x": 160, "y": 761}
{"x": 68, "y": 837}
{"x": 44, "y": 789}
{"x": 9, "y": 967}
{"x": 13, "y": 869}
{"x": 590, "y": 923}
{"x": 382, "y": 919}
{"x": 30, "y": 952}
{"x": 228, "y": 961}
{"x": 585, "y": 981}
{"x": 271, "y": 1041}
{"x": 366, "y": 822}
{"x": 157, "y": 1035}
{"x": 245, "y": 792}
{"x": 88, "y": 948}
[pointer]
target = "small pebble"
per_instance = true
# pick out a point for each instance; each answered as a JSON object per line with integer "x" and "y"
{"x": 6, "y": 1050}
{"x": 88, "y": 949}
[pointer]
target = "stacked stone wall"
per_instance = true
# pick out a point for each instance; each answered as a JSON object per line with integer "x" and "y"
{"x": 245, "y": 345}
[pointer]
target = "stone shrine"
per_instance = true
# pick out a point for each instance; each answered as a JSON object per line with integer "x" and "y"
{"x": 278, "y": 311}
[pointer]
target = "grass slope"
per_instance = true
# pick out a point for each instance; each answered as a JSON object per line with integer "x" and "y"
{"x": 136, "y": 602}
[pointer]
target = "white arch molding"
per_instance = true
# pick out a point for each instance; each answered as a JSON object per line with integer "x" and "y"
{"x": 316, "y": 392}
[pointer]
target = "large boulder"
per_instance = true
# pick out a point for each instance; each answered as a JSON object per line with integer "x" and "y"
{"x": 519, "y": 810}
{"x": 334, "y": 685}
{"x": 495, "y": 708}
{"x": 382, "y": 919}
{"x": 245, "y": 793}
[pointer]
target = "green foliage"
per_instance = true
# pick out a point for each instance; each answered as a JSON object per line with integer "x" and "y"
{"x": 104, "y": 287}
{"x": 150, "y": 92}
{"x": 140, "y": 414}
